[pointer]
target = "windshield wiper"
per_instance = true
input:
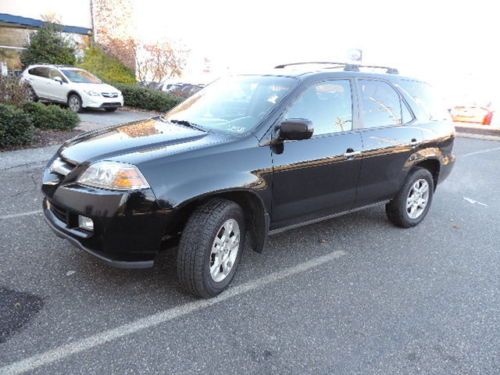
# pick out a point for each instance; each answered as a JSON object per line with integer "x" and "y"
{"x": 187, "y": 123}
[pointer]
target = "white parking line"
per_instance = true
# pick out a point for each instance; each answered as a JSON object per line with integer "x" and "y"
{"x": 61, "y": 352}
{"x": 480, "y": 152}
{"x": 11, "y": 216}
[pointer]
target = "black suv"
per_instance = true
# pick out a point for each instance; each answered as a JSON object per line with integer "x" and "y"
{"x": 248, "y": 155}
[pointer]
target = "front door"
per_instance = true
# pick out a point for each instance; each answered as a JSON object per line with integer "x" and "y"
{"x": 58, "y": 91}
{"x": 317, "y": 176}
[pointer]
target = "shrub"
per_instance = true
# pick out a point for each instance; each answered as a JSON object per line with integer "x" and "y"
{"x": 11, "y": 92}
{"x": 48, "y": 46}
{"x": 16, "y": 128}
{"x": 106, "y": 67}
{"x": 141, "y": 97}
{"x": 51, "y": 116}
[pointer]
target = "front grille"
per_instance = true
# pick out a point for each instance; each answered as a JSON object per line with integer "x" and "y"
{"x": 110, "y": 105}
{"x": 110, "y": 94}
{"x": 61, "y": 166}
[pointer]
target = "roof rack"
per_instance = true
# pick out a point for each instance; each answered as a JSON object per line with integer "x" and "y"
{"x": 347, "y": 66}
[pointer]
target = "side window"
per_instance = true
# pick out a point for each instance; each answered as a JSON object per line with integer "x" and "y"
{"x": 39, "y": 72}
{"x": 327, "y": 104}
{"x": 55, "y": 73}
{"x": 381, "y": 105}
{"x": 425, "y": 99}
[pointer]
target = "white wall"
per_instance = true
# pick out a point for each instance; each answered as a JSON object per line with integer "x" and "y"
{"x": 68, "y": 12}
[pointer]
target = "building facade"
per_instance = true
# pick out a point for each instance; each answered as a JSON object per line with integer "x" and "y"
{"x": 109, "y": 23}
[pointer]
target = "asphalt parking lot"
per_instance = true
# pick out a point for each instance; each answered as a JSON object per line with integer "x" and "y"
{"x": 352, "y": 295}
{"x": 93, "y": 118}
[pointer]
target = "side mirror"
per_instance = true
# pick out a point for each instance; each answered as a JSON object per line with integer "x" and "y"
{"x": 58, "y": 79}
{"x": 296, "y": 129}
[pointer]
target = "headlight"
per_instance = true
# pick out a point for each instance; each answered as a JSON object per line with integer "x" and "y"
{"x": 92, "y": 93}
{"x": 114, "y": 176}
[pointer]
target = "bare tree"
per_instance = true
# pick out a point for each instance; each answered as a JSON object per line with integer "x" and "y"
{"x": 159, "y": 61}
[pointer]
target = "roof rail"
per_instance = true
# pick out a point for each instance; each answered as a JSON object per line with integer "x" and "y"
{"x": 347, "y": 66}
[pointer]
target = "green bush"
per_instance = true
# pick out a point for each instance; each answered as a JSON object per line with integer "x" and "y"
{"x": 141, "y": 97}
{"x": 48, "y": 46}
{"x": 106, "y": 67}
{"x": 51, "y": 116}
{"x": 16, "y": 127}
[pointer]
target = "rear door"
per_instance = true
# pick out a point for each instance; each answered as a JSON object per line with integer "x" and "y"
{"x": 318, "y": 176}
{"x": 38, "y": 79}
{"x": 389, "y": 138}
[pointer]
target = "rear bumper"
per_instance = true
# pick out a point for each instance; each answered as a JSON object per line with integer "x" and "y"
{"x": 447, "y": 165}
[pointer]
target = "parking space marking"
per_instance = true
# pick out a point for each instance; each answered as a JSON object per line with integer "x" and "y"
{"x": 480, "y": 152}
{"x": 472, "y": 201}
{"x": 61, "y": 352}
{"x": 11, "y": 216}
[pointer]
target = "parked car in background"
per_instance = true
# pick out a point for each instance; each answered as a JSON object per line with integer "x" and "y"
{"x": 182, "y": 90}
{"x": 151, "y": 85}
{"x": 248, "y": 155}
{"x": 75, "y": 87}
{"x": 472, "y": 114}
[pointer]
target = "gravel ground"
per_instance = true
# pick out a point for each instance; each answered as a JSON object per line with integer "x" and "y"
{"x": 352, "y": 295}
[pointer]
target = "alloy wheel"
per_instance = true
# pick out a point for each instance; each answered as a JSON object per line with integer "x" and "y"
{"x": 417, "y": 199}
{"x": 224, "y": 250}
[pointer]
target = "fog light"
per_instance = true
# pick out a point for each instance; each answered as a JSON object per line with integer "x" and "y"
{"x": 86, "y": 223}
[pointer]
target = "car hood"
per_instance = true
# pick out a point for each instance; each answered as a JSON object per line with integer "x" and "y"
{"x": 136, "y": 137}
{"x": 99, "y": 87}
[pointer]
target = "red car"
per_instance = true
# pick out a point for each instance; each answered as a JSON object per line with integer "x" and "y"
{"x": 473, "y": 114}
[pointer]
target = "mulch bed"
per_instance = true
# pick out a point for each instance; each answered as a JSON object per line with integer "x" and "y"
{"x": 44, "y": 138}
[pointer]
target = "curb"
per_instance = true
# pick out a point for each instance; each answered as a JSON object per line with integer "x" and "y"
{"x": 478, "y": 129}
{"x": 29, "y": 156}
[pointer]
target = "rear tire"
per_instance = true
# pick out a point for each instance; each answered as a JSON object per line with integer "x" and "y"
{"x": 210, "y": 248}
{"x": 410, "y": 206}
{"x": 110, "y": 109}
{"x": 32, "y": 96}
{"x": 75, "y": 103}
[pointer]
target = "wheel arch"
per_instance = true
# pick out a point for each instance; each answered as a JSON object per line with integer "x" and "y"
{"x": 433, "y": 166}
{"x": 254, "y": 210}
{"x": 71, "y": 92}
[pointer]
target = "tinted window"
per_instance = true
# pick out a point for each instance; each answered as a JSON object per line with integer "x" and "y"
{"x": 406, "y": 114}
{"x": 40, "y": 72}
{"x": 55, "y": 73}
{"x": 327, "y": 104}
{"x": 380, "y": 104}
{"x": 425, "y": 99}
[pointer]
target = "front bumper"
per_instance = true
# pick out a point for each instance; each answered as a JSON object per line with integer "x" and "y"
{"x": 101, "y": 102}
{"x": 128, "y": 226}
{"x": 58, "y": 227}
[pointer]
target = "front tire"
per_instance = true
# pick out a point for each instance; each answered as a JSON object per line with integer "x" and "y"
{"x": 210, "y": 248}
{"x": 410, "y": 206}
{"x": 75, "y": 103}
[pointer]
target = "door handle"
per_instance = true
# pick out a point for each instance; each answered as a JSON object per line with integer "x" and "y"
{"x": 350, "y": 153}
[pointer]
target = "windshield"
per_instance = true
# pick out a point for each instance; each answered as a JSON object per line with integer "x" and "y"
{"x": 80, "y": 76}
{"x": 233, "y": 104}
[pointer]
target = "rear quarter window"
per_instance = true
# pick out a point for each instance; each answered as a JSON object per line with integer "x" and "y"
{"x": 423, "y": 96}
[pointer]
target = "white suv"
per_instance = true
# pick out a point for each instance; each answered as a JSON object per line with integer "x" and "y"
{"x": 73, "y": 86}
